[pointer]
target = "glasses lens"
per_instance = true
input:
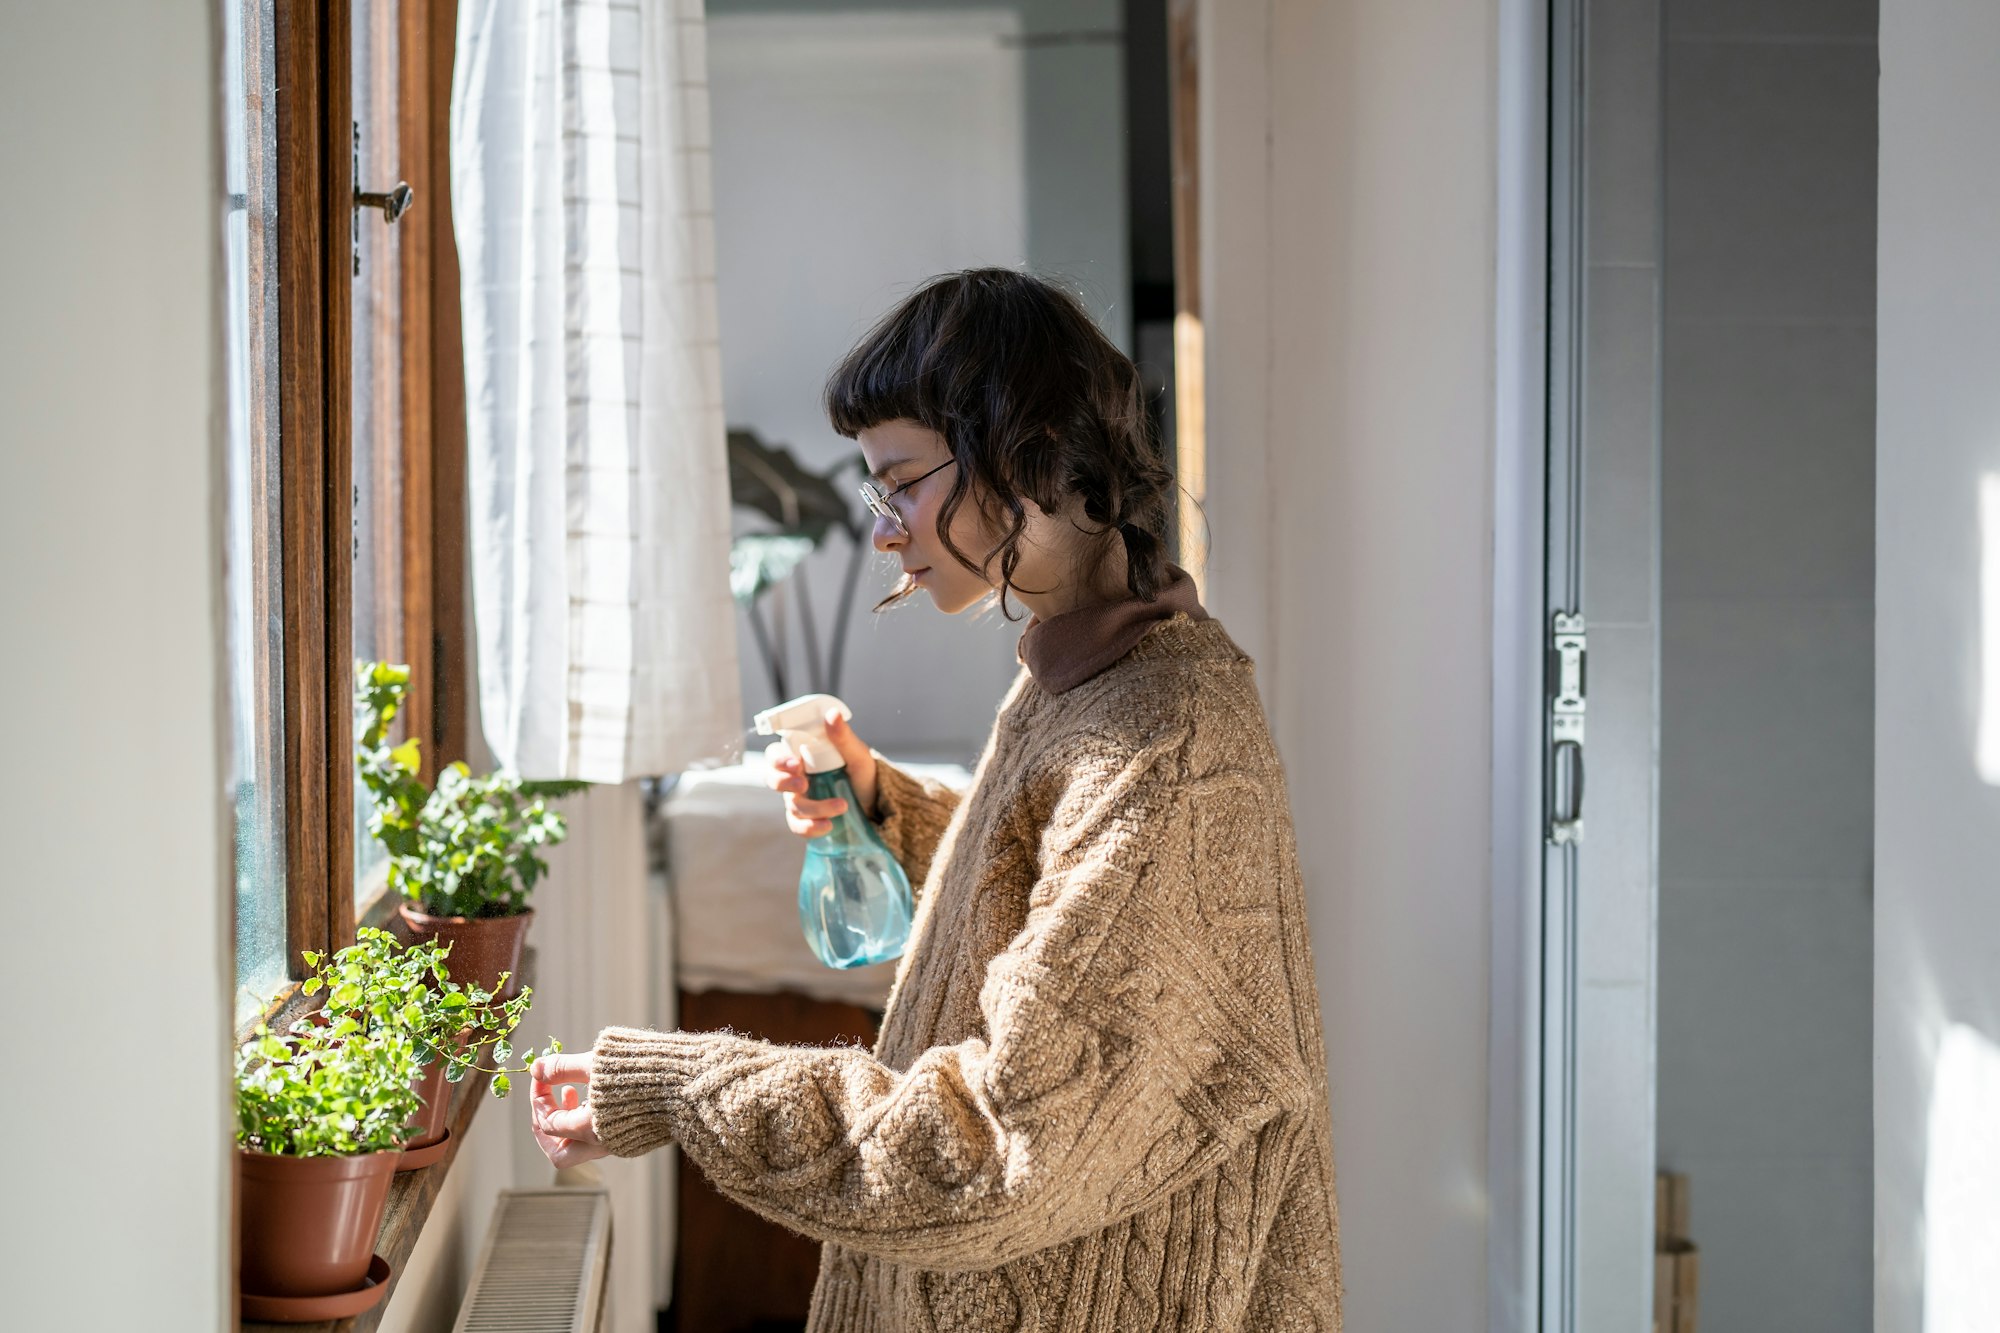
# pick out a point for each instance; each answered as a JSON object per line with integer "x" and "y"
{"x": 878, "y": 504}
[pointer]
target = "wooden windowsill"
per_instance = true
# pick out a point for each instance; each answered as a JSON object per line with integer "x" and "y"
{"x": 411, "y": 1198}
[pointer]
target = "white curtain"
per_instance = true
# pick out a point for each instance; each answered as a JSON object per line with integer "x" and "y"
{"x": 598, "y": 476}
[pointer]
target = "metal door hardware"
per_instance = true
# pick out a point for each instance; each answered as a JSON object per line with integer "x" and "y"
{"x": 1567, "y": 651}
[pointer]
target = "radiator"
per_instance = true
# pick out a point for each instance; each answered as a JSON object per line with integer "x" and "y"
{"x": 543, "y": 1269}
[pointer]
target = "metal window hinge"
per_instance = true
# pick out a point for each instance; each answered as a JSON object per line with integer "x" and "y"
{"x": 1567, "y": 650}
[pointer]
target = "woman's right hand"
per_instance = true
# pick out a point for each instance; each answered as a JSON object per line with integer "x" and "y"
{"x": 809, "y": 818}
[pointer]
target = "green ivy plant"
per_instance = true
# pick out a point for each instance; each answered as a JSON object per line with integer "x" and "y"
{"x": 326, "y": 1092}
{"x": 467, "y": 847}
{"x": 379, "y": 982}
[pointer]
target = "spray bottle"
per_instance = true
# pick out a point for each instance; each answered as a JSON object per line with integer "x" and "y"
{"x": 854, "y": 899}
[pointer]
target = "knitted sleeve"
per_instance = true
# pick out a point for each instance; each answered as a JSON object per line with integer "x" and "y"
{"x": 911, "y": 814}
{"x": 1117, "y": 1065}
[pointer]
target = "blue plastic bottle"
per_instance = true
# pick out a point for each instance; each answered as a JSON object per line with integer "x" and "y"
{"x": 854, "y": 899}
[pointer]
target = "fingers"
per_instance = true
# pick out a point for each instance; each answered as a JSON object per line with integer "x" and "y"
{"x": 563, "y": 1152}
{"x": 566, "y": 1153}
{"x": 784, "y": 771}
{"x": 572, "y": 1124}
{"x": 851, "y": 746}
{"x": 562, "y": 1125}
{"x": 561, "y": 1069}
{"x": 807, "y": 817}
{"x": 807, "y": 809}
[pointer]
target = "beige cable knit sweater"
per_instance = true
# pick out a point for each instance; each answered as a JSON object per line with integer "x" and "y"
{"x": 1098, "y": 1101}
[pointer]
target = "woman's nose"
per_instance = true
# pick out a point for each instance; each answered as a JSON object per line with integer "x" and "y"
{"x": 887, "y": 535}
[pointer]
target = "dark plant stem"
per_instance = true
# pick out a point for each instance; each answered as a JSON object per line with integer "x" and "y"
{"x": 857, "y": 543}
{"x": 762, "y": 634}
{"x": 781, "y": 634}
{"x": 809, "y": 632}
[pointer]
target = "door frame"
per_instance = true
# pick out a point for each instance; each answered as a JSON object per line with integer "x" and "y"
{"x": 1522, "y": 416}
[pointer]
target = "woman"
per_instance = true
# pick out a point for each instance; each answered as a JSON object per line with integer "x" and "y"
{"x": 1098, "y": 1100}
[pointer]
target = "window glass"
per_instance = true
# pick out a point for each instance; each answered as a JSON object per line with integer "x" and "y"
{"x": 378, "y": 383}
{"x": 254, "y": 613}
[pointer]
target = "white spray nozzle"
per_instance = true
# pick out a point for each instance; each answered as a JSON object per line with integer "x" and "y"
{"x": 801, "y": 723}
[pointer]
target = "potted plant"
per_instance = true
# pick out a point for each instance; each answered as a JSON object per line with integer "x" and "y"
{"x": 321, "y": 1117}
{"x": 465, "y": 854}
{"x": 324, "y": 1113}
{"x": 380, "y": 981}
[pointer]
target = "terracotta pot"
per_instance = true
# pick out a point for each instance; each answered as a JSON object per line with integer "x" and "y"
{"x": 430, "y": 1086}
{"x": 308, "y": 1224}
{"x": 482, "y": 947}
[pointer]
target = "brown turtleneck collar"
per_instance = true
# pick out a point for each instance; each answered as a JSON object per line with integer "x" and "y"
{"x": 1066, "y": 650}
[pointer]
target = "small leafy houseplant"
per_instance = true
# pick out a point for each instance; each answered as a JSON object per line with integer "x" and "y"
{"x": 325, "y": 1112}
{"x": 379, "y": 982}
{"x": 321, "y": 1117}
{"x": 464, "y": 854}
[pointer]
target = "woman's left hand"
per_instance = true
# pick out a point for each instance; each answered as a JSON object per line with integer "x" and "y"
{"x": 562, "y": 1119}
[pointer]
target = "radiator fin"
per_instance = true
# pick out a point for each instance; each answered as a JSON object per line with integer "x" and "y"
{"x": 544, "y": 1265}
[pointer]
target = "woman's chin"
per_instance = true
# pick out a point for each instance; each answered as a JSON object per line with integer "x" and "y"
{"x": 947, "y": 601}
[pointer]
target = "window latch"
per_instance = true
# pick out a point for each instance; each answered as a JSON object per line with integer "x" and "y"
{"x": 393, "y": 202}
{"x": 1566, "y": 659}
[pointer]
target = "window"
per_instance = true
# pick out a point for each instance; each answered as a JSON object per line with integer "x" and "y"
{"x": 345, "y": 524}
{"x": 378, "y": 390}
{"x": 256, "y": 645}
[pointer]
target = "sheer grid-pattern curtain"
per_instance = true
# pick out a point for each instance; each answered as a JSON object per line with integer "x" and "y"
{"x": 598, "y": 477}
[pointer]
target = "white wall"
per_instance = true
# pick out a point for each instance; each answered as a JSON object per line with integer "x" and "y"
{"x": 1348, "y": 243}
{"x": 1937, "y": 824}
{"x": 862, "y": 146}
{"x": 114, "y": 970}
{"x": 1766, "y": 716}
{"x": 855, "y": 156}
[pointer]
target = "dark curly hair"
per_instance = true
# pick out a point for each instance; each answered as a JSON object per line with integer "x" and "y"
{"x": 1035, "y": 404}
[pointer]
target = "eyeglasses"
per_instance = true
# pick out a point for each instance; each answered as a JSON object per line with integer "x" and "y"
{"x": 878, "y": 499}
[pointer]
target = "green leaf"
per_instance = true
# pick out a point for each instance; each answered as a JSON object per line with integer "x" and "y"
{"x": 768, "y": 479}
{"x": 759, "y": 561}
{"x": 501, "y": 1085}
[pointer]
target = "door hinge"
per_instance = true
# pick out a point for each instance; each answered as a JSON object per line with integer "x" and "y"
{"x": 1567, "y": 652}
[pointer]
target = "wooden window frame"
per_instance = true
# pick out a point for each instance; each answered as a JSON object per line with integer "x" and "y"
{"x": 315, "y": 205}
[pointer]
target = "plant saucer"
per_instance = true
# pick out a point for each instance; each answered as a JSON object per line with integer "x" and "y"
{"x": 415, "y": 1159}
{"x": 312, "y": 1309}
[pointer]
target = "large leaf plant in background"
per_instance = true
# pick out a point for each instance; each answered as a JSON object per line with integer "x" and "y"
{"x": 801, "y": 509}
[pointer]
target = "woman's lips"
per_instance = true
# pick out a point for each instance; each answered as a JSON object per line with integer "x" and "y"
{"x": 915, "y": 574}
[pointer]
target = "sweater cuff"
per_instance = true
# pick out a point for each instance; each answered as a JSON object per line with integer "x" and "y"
{"x": 635, "y": 1081}
{"x": 907, "y": 814}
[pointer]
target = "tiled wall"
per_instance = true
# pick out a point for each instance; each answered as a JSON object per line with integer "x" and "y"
{"x": 1615, "y": 1010}
{"x": 1767, "y": 500}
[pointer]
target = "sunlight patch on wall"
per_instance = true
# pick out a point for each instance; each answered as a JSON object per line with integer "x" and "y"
{"x": 1191, "y": 444}
{"x": 1962, "y": 1175}
{"x": 1989, "y": 628}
